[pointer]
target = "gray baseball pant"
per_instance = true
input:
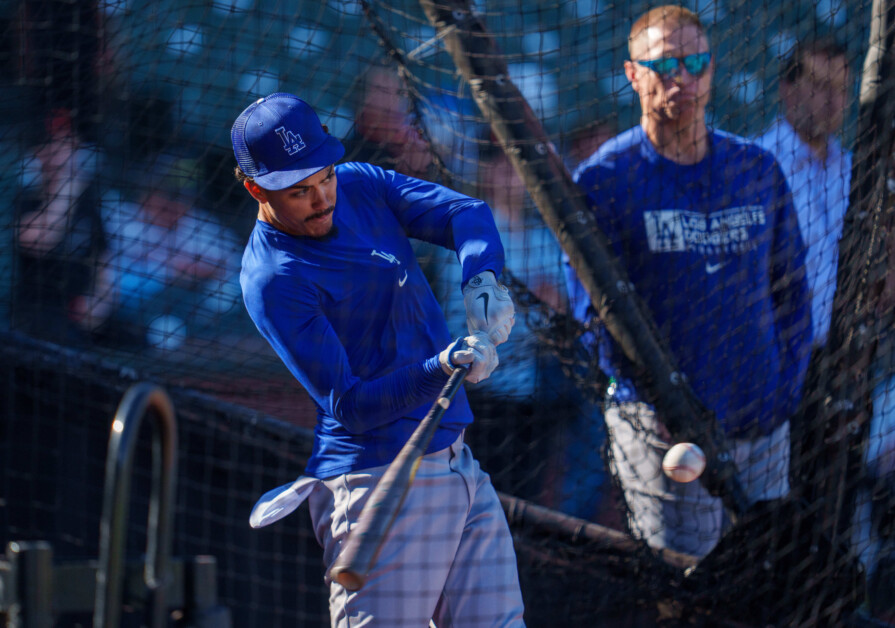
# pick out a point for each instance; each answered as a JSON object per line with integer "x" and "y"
{"x": 449, "y": 556}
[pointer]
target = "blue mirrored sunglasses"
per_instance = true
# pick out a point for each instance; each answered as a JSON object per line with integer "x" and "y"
{"x": 666, "y": 67}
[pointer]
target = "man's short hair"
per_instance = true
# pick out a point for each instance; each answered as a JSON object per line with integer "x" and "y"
{"x": 793, "y": 65}
{"x": 241, "y": 176}
{"x": 667, "y": 14}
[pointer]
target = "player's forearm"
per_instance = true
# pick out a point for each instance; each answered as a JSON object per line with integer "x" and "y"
{"x": 372, "y": 403}
{"x": 477, "y": 242}
{"x": 449, "y": 219}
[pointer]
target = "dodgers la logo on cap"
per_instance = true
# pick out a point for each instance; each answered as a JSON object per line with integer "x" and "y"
{"x": 291, "y": 141}
{"x": 279, "y": 140}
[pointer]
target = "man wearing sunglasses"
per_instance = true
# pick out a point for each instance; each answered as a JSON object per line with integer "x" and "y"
{"x": 704, "y": 224}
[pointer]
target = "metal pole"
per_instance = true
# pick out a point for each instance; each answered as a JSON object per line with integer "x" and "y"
{"x": 32, "y": 564}
{"x": 140, "y": 400}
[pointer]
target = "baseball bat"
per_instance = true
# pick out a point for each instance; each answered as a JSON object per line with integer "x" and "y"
{"x": 366, "y": 538}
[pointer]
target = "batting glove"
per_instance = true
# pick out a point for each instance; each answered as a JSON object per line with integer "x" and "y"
{"x": 476, "y": 350}
{"x": 489, "y": 307}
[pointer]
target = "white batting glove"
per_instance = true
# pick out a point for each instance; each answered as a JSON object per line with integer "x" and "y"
{"x": 476, "y": 350}
{"x": 489, "y": 307}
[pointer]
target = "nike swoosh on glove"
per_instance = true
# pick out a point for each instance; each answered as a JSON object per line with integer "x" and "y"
{"x": 489, "y": 307}
{"x": 476, "y": 350}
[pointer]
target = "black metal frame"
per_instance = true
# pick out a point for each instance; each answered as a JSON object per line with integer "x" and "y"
{"x": 33, "y": 589}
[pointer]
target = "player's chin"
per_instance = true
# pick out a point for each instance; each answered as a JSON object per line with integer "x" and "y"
{"x": 322, "y": 231}
{"x": 320, "y": 226}
{"x": 680, "y": 111}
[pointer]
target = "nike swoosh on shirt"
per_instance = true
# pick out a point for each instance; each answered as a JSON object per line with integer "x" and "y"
{"x": 713, "y": 268}
{"x": 401, "y": 282}
{"x": 484, "y": 296}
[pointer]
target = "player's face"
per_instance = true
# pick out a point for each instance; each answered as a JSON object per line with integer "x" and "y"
{"x": 816, "y": 101}
{"x": 305, "y": 209}
{"x": 678, "y": 96}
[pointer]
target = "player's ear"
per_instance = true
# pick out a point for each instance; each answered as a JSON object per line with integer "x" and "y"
{"x": 630, "y": 68}
{"x": 257, "y": 192}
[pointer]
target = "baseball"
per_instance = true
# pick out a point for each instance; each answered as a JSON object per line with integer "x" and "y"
{"x": 684, "y": 462}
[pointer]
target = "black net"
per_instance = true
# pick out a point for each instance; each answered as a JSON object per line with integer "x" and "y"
{"x": 58, "y": 409}
{"x": 124, "y": 230}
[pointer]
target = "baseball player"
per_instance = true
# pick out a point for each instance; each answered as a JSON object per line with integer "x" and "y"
{"x": 703, "y": 222}
{"x": 330, "y": 280}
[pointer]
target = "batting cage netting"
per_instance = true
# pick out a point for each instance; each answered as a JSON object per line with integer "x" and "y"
{"x": 735, "y": 292}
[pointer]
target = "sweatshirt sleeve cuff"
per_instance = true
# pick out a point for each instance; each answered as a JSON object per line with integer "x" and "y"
{"x": 432, "y": 368}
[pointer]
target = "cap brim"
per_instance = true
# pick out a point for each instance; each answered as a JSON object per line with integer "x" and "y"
{"x": 324, "y": 155}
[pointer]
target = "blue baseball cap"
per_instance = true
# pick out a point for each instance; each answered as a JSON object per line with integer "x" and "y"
{"x": 279, "y": 140}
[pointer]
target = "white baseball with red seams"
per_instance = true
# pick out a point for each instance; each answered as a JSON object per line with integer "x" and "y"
{"x": 684, "y": 462}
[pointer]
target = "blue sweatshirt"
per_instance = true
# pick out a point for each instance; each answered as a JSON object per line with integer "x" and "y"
{"x": 352, "y": 315}
{"x": 715, "y": 252}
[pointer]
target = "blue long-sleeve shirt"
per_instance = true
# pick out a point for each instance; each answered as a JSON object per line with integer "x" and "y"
{"x": 353, "y": 317}
{"x": 714, "y": 250}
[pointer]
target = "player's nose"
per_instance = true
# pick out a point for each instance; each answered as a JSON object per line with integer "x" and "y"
{"x": 327, "y": 195}
{"x": 684, "y": 84}
{"x": 320, "y": 196}
{"x": 682, "y": 76}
